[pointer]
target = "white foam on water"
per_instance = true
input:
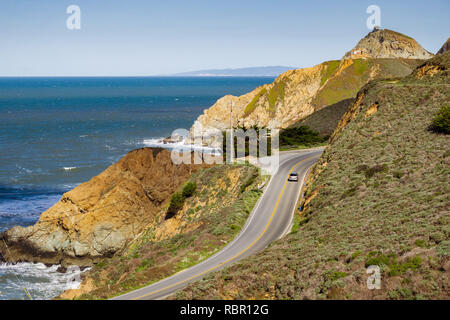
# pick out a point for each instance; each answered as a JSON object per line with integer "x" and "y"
{"x": 40, "y": 281}
{"x": 180, "y": 146}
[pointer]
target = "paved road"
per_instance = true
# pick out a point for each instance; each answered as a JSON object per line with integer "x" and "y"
{"x": 270, "y": 220}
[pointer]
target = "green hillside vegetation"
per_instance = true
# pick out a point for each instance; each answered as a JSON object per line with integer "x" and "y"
{"x": 178, "y": 198}
{"x": 331, "y": 67}
{"x": 276, "y": 93}
{"x": 379, "y": 195}
{"x": 347, "y": 83}
{"x": 211, "y": 207}
{"x": 441, "y": 121}
{"x": 325, "y": 120}
{"x": 300, "y": 137}
{"x": 252, "y": 105}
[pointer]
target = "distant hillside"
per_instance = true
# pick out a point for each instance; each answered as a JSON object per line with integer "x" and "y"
{"x": 273, "y": 71}
{"x": 379, "y": 196}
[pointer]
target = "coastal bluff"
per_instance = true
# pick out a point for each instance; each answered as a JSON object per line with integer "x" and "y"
{"x": 98, "y": 218}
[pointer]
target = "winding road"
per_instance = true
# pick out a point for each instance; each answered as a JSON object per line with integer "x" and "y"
{"x": 270, "y": 220}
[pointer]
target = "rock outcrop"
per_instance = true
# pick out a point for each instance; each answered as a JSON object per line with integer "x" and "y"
{"x": 384, "y": 43}
{"x": 445, "y": 47}
{"x": 99, "y": 217}
{"x": 296, "y": 94}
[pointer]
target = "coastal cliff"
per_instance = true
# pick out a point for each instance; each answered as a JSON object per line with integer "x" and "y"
{"x": 296, "y": 94}
{"x": 100, "y": 217}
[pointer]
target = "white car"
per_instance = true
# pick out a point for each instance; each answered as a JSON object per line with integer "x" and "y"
{"x": 293, "y": 177}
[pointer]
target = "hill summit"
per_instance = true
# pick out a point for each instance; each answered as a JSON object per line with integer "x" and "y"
{"x": 384, "y": 43}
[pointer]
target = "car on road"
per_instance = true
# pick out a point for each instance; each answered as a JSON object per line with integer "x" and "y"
{"x": 293, "y": 176}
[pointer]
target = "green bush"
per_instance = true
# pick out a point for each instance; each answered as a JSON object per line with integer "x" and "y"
{"x": 441, "y": 121}
{"x": 176, "y": 203}
{"x": 395, "y": 268}
{"x": 189, "y": 189}
{"x": 301, "y": 135}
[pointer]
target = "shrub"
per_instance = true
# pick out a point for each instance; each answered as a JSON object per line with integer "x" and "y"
{"x": 390, "y": 260}
{"x": 369, "y": 172}
{"x": 189, "y": 189}
{"x": 302, "y": 135}
{"x": 441, "y": 121}
{"x": 176, "y": 203}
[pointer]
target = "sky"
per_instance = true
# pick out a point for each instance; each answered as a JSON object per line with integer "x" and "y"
{"x": 148, "y": 37}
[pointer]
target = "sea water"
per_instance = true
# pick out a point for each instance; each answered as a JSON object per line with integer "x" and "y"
{"x": 56, "y": 133}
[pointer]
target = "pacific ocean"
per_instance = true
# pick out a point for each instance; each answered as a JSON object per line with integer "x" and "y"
{"x": 56, "y": 133}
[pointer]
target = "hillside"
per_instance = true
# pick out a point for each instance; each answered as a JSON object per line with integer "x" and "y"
{"x": 271, "y": 71}
{"x": 217, "y": 203}
{"x": 296, "y": 94}
{"x": 378, "y": 196}
{"x": 325, "y": 120}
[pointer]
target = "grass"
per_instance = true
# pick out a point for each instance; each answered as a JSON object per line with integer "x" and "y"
{"x": 330, "y": 70}
{"x": 350, "y": 80}
{"x": 395, "y": 268}
{"x": 325, "y": 120}
{"x": 276, "y": 93}
{"x": 252, "y": 105}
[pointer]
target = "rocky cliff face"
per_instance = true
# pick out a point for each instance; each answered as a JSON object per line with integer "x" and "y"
{"x": 388, "y": 44}
{"x": 296, "y": 94}
{"x": 99, "y": 217}
{"x": 445, "y": 47}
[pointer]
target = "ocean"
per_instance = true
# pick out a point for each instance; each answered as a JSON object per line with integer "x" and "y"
{"x": 56, "y": 133}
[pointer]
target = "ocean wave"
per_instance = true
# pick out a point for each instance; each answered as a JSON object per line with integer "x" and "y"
{"x": 39, "y": 280}
{"x": 180, "y": 146}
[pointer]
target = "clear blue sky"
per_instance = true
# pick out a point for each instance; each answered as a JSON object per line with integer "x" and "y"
{"x": 147, "y": 37}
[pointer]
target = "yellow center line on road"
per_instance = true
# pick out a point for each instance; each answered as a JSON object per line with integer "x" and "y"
{"x": 238, "y": 254}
